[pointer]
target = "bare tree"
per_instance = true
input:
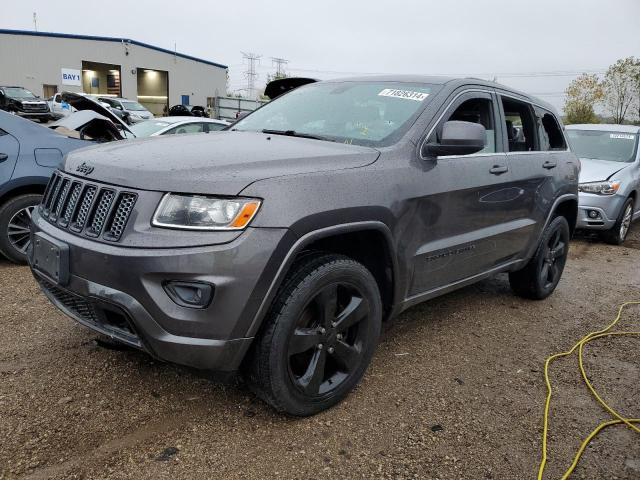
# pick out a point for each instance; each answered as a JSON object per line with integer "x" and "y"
{"x": 636, "y": 86}
{"x": 620, "y": 88}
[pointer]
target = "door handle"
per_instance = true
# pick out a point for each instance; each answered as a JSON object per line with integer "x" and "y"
{"x": 499, "y": 169}
{"x": 549, "y": 165}
{"x": 3, "y": 157}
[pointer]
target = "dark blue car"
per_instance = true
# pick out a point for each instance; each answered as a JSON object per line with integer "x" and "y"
{"x": 28, "y": 155}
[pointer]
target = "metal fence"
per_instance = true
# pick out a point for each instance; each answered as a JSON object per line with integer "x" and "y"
{"x": 229, "y": 108}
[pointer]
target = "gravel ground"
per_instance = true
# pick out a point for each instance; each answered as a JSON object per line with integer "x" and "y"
{"x": 455, "y": 391}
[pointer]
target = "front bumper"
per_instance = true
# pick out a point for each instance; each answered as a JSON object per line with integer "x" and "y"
{"x": 34, "y": 115}
{"x": 118, "y": 291}
{"x": 608, "y": 208}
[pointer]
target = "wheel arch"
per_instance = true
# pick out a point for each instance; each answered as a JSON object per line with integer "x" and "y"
{"x": 24, "y": 186}
{"x": 349, "y": 239}
{"x": 568, "y": 208}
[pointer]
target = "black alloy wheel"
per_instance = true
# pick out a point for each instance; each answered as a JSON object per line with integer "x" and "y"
{"x": 318, "y": 337}
{"x": 327, "y": 344}
{"x": 540, "y": 276}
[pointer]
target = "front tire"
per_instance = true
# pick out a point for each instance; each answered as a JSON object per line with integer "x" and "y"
{"x": 618, "y": 233}
{"x": 319, "y": 335}
{"x": 15, "y": 221}
{"x": 540, "y": 277}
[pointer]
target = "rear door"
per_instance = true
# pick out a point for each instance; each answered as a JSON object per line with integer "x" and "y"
{"x": 9, "y": 150}
{"x": 464, "y": 211}
{"x": 536, "y": 149}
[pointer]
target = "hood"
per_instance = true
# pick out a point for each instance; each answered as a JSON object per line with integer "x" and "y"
{"x": 88, "y": 124}
{"x": 80, "y": 103}
{"x": 277, "y": 87}
{"x": 30, "y": 100}
{"x": 594, "y": 170}
{"x": 221, "y": 163}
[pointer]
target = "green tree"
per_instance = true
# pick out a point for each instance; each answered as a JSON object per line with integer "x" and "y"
{"x": 583, "y": 94}
{"x": 620, "y": 88}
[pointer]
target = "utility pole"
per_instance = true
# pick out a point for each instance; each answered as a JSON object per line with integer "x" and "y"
{"x": 35, "y": 21}
{"x": 250, "y": 73}
{"x": 279, "y": 63}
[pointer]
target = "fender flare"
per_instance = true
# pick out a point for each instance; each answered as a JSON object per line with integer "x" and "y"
{"x": 560, "y": 199}
{"x": 306, "y": 240}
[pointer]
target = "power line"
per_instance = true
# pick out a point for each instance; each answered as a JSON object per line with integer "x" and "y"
{"x": 552, "y": 73}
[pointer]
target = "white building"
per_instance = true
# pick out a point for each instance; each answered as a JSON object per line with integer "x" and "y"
{"x": 46, "y": 63}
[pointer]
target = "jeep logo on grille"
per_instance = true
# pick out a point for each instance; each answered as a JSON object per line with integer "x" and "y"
{"x": 84, "y": 168}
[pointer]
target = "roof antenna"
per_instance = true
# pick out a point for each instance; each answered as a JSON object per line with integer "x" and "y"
{"x": 35, "y": 21}
{"x": 175, "y": 52}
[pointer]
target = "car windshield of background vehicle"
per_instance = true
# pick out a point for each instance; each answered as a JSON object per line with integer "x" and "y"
{"x": 133, "y": 106}
{"x": 148, "y": 128}
{"x": 601, "y": 145}
{"x": 18, "y": 93}
{"x": 361, "y": 113}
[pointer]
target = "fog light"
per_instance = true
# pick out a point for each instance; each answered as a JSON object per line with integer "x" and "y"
{"x": 593, "y": 214}
{"x": 189, "y": 294}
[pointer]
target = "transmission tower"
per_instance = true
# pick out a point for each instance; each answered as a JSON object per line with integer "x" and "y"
{"x": 251, "y": 74}
{"x": 279, "y": 63}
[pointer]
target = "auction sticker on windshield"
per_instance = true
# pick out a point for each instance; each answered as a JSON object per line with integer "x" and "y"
{"x": 406, "y": 94}
{"x": 622, "y": 136}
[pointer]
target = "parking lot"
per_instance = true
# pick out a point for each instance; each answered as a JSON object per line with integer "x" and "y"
{"x": 455, "y": 391}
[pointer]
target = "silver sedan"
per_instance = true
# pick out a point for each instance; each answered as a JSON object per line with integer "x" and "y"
{"x": 609, "y": 179}
{"x": 177, "y": 125}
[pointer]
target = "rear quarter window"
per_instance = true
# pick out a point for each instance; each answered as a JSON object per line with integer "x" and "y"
{"x": 549, "y": 131}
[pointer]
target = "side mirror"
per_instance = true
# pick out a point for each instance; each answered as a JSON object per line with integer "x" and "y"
{"x": 458, "y": 138}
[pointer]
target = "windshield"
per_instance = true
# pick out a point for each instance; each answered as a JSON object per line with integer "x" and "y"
{"x": 611, "y": 146}
{"x": 362, "y": 113}
{"x": 148, "y": 128}
{"x": 17, "y": 92}
{"x": 133, "y": 106}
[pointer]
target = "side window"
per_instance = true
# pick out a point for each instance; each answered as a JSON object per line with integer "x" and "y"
{"x": 475, "y": 110}
{"x": 519, "y": 125}
{"x": 549, "y": 131}
{"x": 188, "y": 128}
{"x": 214, "y": 127}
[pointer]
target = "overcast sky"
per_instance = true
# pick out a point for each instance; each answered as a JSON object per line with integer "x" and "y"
{"x": 535, "y": 45}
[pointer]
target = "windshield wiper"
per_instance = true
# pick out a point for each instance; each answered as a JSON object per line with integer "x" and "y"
{"x": 293, "y": 133}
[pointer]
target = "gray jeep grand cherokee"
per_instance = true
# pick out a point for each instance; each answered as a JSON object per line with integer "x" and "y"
{"x": 280, "y": 247}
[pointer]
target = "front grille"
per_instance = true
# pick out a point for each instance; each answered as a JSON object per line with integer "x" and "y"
{"x": 87, "y": 208}
{"x": 34, "y": 107}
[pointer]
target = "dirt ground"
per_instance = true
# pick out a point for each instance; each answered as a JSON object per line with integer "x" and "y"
{"x": 455, "y": 391}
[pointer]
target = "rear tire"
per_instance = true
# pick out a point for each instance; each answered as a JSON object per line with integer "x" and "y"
{"x": 539, "y": 278}
{"x": 15, "y": 221}
{"x": 318, "y": 337}
{"x": 618, "y": 233}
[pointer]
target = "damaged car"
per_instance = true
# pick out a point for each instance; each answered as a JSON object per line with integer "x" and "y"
{"x": 29, "y": 153}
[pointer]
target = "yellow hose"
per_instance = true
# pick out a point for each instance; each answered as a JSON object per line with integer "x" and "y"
{"x": 619, "y": 419}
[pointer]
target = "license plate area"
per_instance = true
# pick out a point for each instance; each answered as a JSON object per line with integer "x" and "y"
{"x": 51, "y": 257}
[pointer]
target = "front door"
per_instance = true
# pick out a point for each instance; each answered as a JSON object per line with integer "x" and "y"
{"x": 463, "y": 225}
{"x": 9, "y": 149}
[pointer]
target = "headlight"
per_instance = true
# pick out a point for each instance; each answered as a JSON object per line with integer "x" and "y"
{"x": 197, "y": 212}
{"x": 600, "y": 188}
